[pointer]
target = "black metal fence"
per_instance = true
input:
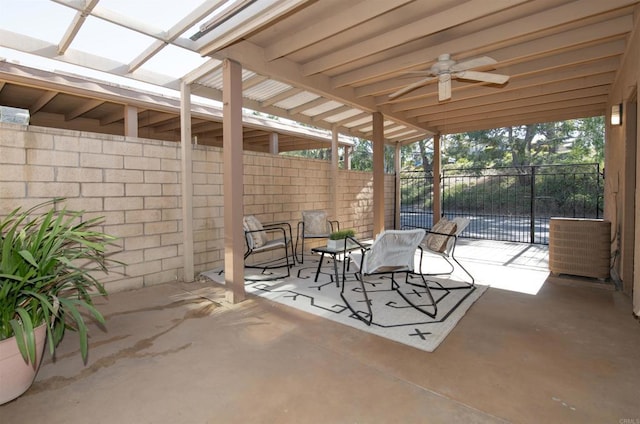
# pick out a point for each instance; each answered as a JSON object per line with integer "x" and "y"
{"x": 510, "y": 204}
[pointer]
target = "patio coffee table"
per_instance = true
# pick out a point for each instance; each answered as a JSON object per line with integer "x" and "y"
{"x": 333, "y": 253}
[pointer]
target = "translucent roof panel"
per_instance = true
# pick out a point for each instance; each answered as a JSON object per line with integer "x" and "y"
{"x": 101, "y": 38}
{"x": 174, "y": 61}
{"x": 153, "y": 44}
{"x": 40, "y": 19}
{"x": 152, "y": 12}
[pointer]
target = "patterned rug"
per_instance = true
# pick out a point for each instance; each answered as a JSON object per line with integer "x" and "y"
{"x": 393, "y": 317}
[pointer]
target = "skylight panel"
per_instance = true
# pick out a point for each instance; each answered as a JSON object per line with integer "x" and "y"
{"x": 114, "y": 42}
{"x": 174, "y": 62}
{"x": 41, "y": 19}
{"x": 158, "y": 13}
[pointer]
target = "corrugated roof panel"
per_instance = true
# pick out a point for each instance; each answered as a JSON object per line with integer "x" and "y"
{"x": 331, "y": 104}
{"x": 297, "y": 100}
{"x": 363, "y": 128}
{"x": 214, "y": 79}
{"x": 343, "y": 115}
{"x": 266, "y": 90}
{"x": 404, "y": 134}
{"x": 358, "y": 122}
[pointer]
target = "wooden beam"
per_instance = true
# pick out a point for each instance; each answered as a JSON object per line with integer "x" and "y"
{"x": 42, "y": 101}
{"x": 545, "y": 20}
{"x": 83, "y": 108}
{"x": 388, "y": 39}
{"x": 349, "y": 16}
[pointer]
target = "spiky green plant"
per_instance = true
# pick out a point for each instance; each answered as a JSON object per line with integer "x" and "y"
{"x": 47, "y": 266}
{"x": 341, "y": 234}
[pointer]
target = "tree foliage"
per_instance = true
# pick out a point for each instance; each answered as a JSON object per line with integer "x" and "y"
{"x": 572, "y": 141}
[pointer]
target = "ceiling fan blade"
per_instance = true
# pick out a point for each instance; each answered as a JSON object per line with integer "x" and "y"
{"x": 444, "y": 87}
{"x": 482, "y": 76}
{"x": 473, "y": 63}
{"x": 410, "y": 87}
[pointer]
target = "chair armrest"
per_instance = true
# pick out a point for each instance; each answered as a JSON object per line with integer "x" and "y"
{"x": 362, "y": 246}
{"x": 277, "y": 224}
{"x": 284, "y": 226}
{"x": 268, "y": 230}
{"x": 273, "y": 228}
{"x": 363, "y": 250}
{"x": 442, "y": 234}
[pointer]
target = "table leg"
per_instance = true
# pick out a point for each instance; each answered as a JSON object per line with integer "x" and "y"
{"x": 319, "y": 266}
{"x": 335, "y": 269}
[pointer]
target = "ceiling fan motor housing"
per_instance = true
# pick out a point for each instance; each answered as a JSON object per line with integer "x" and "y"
{"x": 443, "y": 65}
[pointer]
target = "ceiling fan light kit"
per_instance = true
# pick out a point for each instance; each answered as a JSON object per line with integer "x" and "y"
{"x": 446, "y": 68}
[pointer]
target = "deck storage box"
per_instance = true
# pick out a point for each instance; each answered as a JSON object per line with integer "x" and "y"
{"x": 580, "y": 247}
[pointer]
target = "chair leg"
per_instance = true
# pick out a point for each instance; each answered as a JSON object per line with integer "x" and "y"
{"x": 453, "y": 267}
{"x": 366, "y": 299}
{"x": 289, "y": 259}
{"x": 433, "y": 304}
{"x": 473, "y": 281}
{"x": 294, "y": 250}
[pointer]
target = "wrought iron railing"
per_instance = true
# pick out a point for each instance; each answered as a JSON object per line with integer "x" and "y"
{"x": 510, "y": 204}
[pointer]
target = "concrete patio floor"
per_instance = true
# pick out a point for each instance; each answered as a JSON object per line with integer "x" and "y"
{"x": 534, "y": 348}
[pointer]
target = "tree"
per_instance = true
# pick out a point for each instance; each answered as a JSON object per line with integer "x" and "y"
{"x": 589, "y": 145}
{"x": 362, "y": 156}
{"x": 572, "y": 141}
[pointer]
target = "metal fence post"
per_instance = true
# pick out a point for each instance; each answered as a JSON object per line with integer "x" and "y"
{"x": 532, "y": 227}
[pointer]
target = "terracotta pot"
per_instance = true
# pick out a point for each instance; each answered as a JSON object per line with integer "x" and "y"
{"x": 16, "y": 375}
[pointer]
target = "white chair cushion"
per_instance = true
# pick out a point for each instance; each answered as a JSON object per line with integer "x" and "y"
{"x": 392, "y": 250}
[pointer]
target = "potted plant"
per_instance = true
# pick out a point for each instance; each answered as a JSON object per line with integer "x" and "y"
{"x": 337, "y": 239}
{"x": 48, "y": 263}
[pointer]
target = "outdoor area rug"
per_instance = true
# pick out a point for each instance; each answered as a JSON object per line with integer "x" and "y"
{"x": 393, "y": 317}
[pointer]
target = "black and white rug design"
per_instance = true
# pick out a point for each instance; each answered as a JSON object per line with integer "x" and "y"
{"x": 393, "y": 317}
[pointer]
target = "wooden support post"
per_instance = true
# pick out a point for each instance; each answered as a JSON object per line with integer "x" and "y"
{"x": 131, "y": 121}
{"x": 437, "y": 190}
{"x": 187, "y": 182}
{"x": 334, "y": 174}
{"x": 233, "y": 181}
{"x": 273, "y": 143}
{"x": 378, "y": 173}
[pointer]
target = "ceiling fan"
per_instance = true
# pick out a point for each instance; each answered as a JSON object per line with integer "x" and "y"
{"x": 446, "y": 68}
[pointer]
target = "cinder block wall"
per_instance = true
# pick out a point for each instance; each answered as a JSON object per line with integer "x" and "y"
{"x": 136, "y": 185}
